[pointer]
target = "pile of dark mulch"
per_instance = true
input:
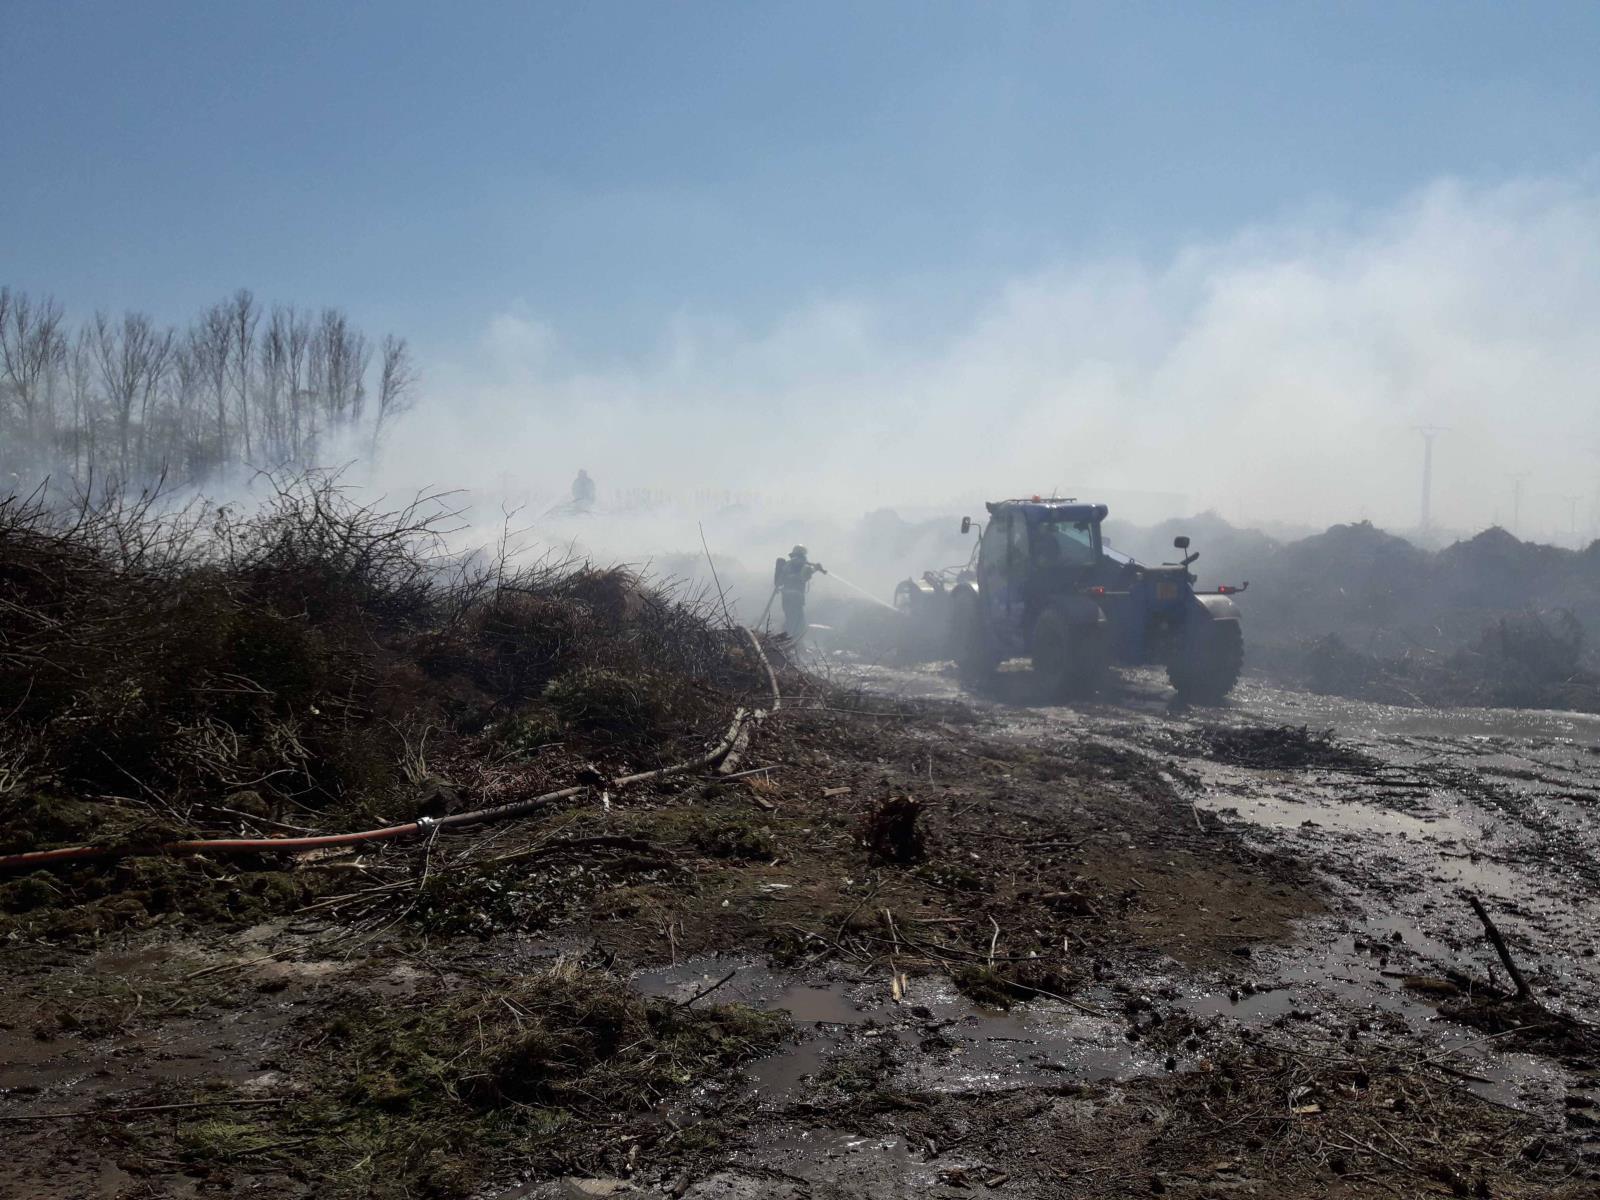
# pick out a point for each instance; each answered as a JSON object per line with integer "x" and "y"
{"x": 1270, "y": 747}
{"x": 1524, "y": 660}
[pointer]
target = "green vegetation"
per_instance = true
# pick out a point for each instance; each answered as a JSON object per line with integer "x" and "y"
{"x": 530, "y": 1070}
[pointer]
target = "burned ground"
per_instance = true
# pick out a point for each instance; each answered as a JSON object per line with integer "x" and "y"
{"x": 915, "y": 920}
{"x": 1014, "y": 896}
{"x": 1279, "y": 747}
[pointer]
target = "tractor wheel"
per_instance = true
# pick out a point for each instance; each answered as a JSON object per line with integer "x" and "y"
{"x": 971, "y": 645}
{"x": 1210, "y": 664}
{"x": 1069, "y": 657}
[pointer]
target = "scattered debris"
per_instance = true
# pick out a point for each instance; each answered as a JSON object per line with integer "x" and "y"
{"x": 438, "y": 1017}
{"x": 1274, "y": 747}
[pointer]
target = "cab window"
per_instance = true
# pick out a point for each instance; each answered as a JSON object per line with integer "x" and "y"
{"x": 994, "y": 551}
{"x": 1066, "y": 544}
{"x": 1020, "y": 547}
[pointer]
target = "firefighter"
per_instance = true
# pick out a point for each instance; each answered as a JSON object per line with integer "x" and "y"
{"x": 582, "y": 491}
{"x": 791, "y": 576}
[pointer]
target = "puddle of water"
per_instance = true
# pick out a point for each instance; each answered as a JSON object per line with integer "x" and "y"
{"x": 1346, "y": 815}
{"x": 180, "y": 1051}
{"x": 834, "y": 1143}
{"x": 824, "y": 1005}
{"x": 309, "y": 970}
{"x": 827, "y": 1162}
{"x": 1482, "y": 876}
{"x": 940, "y": 1041}
{"x": 1332, "y": 976}
{"x": 830, "y": 1003}
{"x": 1411, "y": 847}
{"x": 79, "y": 1177}
{"x": 125, "y": 962}
{"x": 402, "y": 980}
{"x": 752, "y": 983}
{"x": 812, "y": 1146}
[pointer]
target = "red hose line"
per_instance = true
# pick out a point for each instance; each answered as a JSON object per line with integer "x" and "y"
{"x": 34, "y": 858}
{"x": 38, "y": 858}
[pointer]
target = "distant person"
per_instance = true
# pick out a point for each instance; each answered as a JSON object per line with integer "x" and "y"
{"x": 583, "y": 491}
{"x": 791, "y": 576}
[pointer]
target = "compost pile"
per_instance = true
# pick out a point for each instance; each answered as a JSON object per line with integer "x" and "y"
{"x": 1488, "y": 621}
{"x": 1355, "y": 611}
{"x": 1531, "y": 660}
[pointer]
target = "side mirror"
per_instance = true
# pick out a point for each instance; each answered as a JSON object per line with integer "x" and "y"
{"x": 1181, "y": 542}
{"x": 966, "y": 524}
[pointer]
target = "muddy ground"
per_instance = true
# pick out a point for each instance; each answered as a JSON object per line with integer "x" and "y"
{"x": 1105, "y": 950}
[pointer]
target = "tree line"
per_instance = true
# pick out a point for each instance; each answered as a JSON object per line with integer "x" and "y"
{"x": 124, "y": 399}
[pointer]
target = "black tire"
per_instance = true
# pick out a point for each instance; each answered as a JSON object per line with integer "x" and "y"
{"x": 1070, "y": 657}
{"x": 971, "y": 646}
{"x": 1210, "y": 666}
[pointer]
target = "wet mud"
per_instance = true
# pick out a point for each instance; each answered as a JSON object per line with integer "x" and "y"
{"x": 1137, "y": 951}
{"x": 933, "y": 1038}
{"x": 1400, "y": 813}
{"x": 1430, "y": 806}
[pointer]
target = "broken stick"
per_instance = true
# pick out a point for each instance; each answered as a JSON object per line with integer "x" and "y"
{"x": 1500, "y": 948}
{"x": 706, "y": 991}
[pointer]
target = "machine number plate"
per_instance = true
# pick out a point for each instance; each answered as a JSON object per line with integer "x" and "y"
{"x": 1166, "y": 591}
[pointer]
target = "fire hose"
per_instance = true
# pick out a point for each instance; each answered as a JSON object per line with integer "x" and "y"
{"x": 733, "y": 741}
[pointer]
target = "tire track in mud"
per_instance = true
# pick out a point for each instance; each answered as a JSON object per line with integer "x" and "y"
{"x": 1505, "y": 805}
{"x": 1324, "y": 1038}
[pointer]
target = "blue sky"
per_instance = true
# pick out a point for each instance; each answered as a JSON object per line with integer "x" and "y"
{"x": 1239, "y": 250}
{"x": 609, "y": 165}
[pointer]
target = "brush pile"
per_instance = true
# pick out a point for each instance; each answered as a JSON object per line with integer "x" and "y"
{"x": 317, "y": 664}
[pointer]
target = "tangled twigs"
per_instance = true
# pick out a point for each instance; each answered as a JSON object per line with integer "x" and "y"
{"x": 198, "y": 651}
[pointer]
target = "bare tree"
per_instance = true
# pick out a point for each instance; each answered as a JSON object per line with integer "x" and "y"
{"x": 132, "y": 357}
{"x": 210, "y": 342}
{"x": 85, "y": 418}
{"x": 243, "y": 316}
{"x": 299, "y": 333}
{"x": 274, "y": 382}
{"x": 283, "y": 354}
{"x": 187, "y": 454}
{"x": 339, "y": 358}
{"x": 32, "y": 347}
{"x": 125, "y": 398}
{"x": 397, "y": 381}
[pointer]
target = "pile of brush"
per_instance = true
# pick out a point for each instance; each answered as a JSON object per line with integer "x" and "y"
{"x": 172, "y": 668}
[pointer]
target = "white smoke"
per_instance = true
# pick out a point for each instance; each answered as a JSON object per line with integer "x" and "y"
{"x": 1275, "y": 376}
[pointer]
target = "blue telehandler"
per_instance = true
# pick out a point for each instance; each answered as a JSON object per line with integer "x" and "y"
{"x": 1043, "y": 584}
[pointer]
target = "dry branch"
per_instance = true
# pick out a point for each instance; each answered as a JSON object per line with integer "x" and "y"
{"x": 1500, "y": 947}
